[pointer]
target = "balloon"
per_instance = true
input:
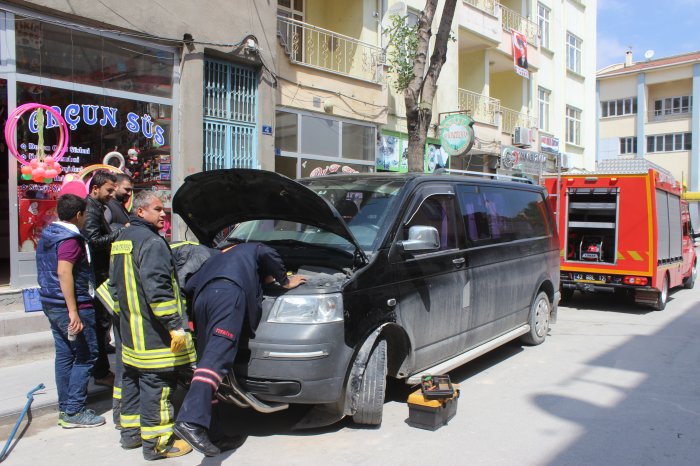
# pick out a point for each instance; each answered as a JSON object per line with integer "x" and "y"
{"x": 48, "y": 160}
{"x": 26, "y": 176}
{"x": 76, "y": 187}
{"x": 26, "y": 170}
{"x": 34, "y": 163}
{"x": 51, "y": 173}
{"x": 48, "y": 180}
{"x": 39, "y": 172}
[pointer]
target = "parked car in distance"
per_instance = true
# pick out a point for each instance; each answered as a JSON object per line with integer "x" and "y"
{"x": 407, "y": 275}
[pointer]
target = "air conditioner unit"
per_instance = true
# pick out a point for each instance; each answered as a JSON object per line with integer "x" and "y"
{"x": 522, "y": 137}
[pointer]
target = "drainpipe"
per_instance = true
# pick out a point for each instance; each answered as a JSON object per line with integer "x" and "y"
{"x": 641, "y": 115}
{"x": 694, "y": 172}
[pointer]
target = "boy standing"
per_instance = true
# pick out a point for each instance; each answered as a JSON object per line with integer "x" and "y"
{"x": 67, "y": 289}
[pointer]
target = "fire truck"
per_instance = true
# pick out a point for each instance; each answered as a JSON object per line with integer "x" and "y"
{"x": 624, "y": 229}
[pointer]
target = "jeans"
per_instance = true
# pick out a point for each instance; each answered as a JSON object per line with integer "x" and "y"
{"x": 74, "y": 359}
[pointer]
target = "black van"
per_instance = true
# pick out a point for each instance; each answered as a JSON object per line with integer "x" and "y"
{"x": 407, "y": 275}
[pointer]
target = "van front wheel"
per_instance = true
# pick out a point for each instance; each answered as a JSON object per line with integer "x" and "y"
{"x": 370, "y": 400}
{"x": 538, "y": 320}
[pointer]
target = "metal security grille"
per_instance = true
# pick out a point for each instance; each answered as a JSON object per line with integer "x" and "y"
{"x": 230, "y": 116}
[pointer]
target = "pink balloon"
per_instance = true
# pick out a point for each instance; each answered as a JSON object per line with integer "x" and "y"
{"x": 49, "y": 160}
{"x": 50, "y": 173}
{"x": 74, "y": 187}
{"x": 34, "y": 163}
{"x": 26, "y": 170}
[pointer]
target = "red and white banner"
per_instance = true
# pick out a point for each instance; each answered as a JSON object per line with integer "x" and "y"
{"x": 520, "y": 53}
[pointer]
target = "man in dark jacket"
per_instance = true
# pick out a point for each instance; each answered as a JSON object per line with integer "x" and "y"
{"x": 155, "y": 345}
{"x": 100, "y": 237}
{"x": 225, "y": 290}
{"x": 115, "y": 213}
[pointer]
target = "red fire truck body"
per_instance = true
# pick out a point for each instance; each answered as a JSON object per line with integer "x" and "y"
{"x": 623, "y": 228}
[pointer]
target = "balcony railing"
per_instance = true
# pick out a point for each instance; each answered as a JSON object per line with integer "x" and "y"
{"x": 512, "y": 20}
{"x": 511, "y": 119}
{"x": 488, "y": 6}
{"x": 327, "y": 50}
{"x": 481, "y": 108}
{"x": 660, "y": 115}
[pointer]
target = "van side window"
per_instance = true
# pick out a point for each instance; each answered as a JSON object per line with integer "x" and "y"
{"x": 437, "y": 211}
{"x": 498, "y": 215}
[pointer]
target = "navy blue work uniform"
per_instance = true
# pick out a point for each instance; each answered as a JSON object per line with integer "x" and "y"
{"x": 225, "y": 290}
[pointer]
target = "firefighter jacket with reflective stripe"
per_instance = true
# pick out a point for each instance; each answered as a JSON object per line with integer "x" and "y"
{"x": 144, "y": 289}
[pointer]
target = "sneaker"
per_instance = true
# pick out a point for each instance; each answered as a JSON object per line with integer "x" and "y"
{"x": 177, "y": 448}
{"x": 83, "y": 418}
{"x": 61, "y": 416}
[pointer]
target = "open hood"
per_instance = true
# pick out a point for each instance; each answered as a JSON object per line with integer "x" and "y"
{"x": 210, "y": 201}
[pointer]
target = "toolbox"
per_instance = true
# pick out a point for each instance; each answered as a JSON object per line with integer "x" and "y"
{"x": 431, "y": 414}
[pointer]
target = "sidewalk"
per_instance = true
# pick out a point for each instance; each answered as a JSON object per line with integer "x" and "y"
{"x": 20, "y": 379}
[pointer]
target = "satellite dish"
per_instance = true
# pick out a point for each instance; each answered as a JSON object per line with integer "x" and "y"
{"x": 398, "y": 8}
{"x": 648, "y": 54}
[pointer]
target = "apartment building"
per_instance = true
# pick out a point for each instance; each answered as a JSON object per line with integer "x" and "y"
{"x": 646, "y": 111}
{"x": 336, "y": 108}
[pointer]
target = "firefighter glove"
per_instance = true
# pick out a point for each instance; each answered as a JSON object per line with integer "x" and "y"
{"x": 178, "y": 340}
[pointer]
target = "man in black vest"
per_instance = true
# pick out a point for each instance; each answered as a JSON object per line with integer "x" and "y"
{"x": 226, "y": 290}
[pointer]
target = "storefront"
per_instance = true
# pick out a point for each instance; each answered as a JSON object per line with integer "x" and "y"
{"x": 116, "y": 95}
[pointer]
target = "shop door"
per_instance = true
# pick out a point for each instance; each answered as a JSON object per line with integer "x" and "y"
{"x": 4, "y": 194}
{"x": 230, "y": 116}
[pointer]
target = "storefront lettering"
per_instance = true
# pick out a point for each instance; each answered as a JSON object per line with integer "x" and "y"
{"x": 99, "y": 114}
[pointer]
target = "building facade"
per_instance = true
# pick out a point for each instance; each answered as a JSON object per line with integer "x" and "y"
{"x": 646, "y": 111}
{"x": 300, "y": 87}
{"x": 172, "y": 88}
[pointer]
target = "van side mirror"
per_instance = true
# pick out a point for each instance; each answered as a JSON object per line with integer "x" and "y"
{"x": 421, "y": 238}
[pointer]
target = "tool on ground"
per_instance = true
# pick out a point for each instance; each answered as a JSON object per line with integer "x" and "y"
{"x": 30, "y": 398}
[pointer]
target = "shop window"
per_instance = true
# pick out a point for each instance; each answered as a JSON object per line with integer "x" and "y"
{"x": 286, "y": 130}
{"x": 98, "y": 125}
{"x": 320, "y": 136}
{"x": 358, "y": 141}
{"x": 52, "y": 51}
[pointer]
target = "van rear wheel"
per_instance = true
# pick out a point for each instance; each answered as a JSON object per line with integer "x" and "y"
{"x": 370, "y": 401}
{"x": 689, "y": 282}
{"x": 538, "y": 320}
{"x": 663, "y": 296}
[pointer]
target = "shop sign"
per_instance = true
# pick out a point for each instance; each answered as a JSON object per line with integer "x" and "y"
{"x": 456, "y": 134}
{"x": 524, "y": 161}
{"x": 99, "y": 114}
{"x": 549, "y": 144}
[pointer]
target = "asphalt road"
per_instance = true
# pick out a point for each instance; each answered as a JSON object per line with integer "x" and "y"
{"x": 612, "y": 385}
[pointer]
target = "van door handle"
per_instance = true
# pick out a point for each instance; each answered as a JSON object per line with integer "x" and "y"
{"x": 459, "y": 262}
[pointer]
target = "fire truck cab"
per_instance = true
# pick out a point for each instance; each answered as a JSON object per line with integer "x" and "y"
{"x": 623, "y": 228}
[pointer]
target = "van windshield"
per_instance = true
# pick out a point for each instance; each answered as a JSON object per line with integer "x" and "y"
{"x": 362, "y": 202}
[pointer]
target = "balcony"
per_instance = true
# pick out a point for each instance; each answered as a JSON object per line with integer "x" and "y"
{"x": 511, "y": 119}
{"x": 487, "y": 6}
{"x": 669, "y": 115}
{"x": 513, "y": 20}
{"x": 326, "y": 50}
{"x": 481, "y": 108}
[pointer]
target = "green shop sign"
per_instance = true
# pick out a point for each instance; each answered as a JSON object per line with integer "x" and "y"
{"x": 456, "y": 134}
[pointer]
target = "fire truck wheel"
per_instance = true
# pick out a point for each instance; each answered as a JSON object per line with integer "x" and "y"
{"x": 538, "y": 320}
{"x": 663, "y": 296}
{"x": 689, "y": 282}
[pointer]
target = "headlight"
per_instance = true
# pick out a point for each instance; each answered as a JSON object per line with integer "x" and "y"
{"x": 311, "y": 309}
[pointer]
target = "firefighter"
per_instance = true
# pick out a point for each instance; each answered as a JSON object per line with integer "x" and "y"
{"x": 144, "y": 288}
{"x": 226, "y": 290}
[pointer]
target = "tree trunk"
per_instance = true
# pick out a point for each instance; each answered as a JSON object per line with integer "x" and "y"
{"x": 420, "y": 93}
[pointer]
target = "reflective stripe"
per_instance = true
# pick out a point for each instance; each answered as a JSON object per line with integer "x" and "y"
{"x": 132, "y": 297}
{"x": 157, "y": 353}
{"x": 182, "y": 243}
{"x": 106, "y": 298}
{"x": 117, "y": 393}
{"x": 184, "y": 359}
{"x": 164, "y": 411}
{"x": 156, "y": 431}
{"x": 121, "y": 247}
{"x": 165, "y": 308}
{"x": 213, "y": 384}
{"x": 210, "y": 372}
{"x": 130, "y": 420}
